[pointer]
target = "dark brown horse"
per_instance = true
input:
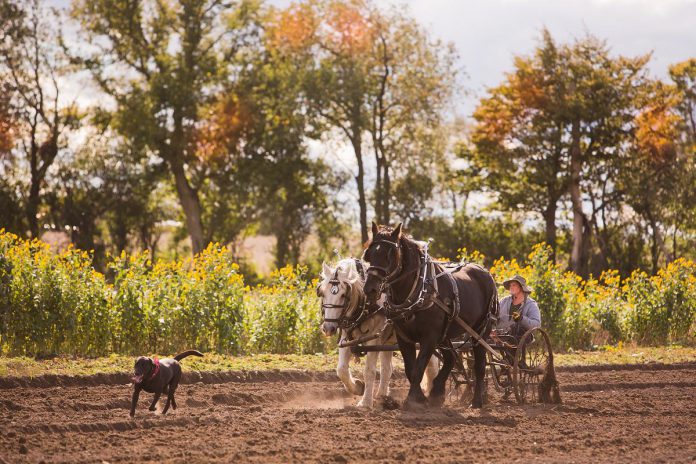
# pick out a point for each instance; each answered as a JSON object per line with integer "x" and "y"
{"x": 423, "y": 300}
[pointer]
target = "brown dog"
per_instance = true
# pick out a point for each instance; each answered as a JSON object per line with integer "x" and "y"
{"x": 158, "y": 376}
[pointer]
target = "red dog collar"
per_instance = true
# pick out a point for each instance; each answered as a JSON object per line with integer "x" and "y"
{"x": 156, "y": 371}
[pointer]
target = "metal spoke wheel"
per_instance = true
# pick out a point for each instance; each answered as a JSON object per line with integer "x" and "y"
{"x": 461, "y": 383}
{"x": 501, "y": 374}
{"x": 533, "y": 370}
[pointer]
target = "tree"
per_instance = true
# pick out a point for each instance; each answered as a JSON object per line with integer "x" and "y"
{"x": 601, "y": 108}
{"x": 32, "y": 63}
{"x": 519, "y": 143}
{"x": 378, "y": 80}
{"x": 558, "y": 126}
{"x": 256, "y": 137}
{"x": 684, "y": 77}
{"x": 109, "y": 199}
{"x": 161, "y": 61}
{"x": 416, "y": 80}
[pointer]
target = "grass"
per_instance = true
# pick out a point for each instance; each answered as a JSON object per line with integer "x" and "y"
{"x": 64, "y": 365}
{"x": 29, "y": 367}
{"x": 628, "y": 355}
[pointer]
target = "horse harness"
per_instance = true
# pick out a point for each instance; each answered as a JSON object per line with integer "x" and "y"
{"x": 425, "y": 293}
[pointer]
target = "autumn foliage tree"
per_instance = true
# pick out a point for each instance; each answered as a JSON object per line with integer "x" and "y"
{"x": 559, "y": 127}
{"x": 378, "y": 79}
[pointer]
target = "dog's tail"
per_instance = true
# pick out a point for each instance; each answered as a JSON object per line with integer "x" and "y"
{"x": 183, "y": 355}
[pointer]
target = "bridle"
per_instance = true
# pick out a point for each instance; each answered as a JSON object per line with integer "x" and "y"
{"x": 389, "y": 276}
{"x": 417, "y": 296}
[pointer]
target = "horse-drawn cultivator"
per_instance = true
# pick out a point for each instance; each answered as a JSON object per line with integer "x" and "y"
{"x": 524, "y": 369}
{"x": 405, "y": 301}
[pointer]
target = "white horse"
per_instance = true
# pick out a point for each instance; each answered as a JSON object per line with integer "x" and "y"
{"x": 343, "y": 306}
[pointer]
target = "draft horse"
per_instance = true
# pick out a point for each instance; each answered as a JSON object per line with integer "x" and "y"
{"x": 423, "y": 300}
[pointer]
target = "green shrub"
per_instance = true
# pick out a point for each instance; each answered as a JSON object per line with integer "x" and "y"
{"x": 58, "y": 304}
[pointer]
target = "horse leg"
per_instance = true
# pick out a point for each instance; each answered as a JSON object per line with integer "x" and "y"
{"x": 415, "y": 393}
{"x": 480, "y": 372}
{"x": 369, "y": 376}
{"x": 353, "y": 386}
{"x": 430, "y": 374}
{"x": 385, "y": 373}
{"x": 437, "y": 394}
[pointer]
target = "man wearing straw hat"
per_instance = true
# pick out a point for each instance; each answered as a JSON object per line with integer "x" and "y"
{"x": 518, "y": 311}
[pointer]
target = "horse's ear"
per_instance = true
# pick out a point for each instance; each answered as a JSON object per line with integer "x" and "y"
{"x": 375, "y": 229}
{"x": 353, "y": 275}
{"x": 325, "y": 270}
{"x": 396, "y": 235}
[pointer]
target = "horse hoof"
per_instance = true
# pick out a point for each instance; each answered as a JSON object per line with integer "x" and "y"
{"x": 411, "y": 405}
{"x": 436, "y": 401}
{"x": 359, "y": 387}
{"x": 389, "y": 403}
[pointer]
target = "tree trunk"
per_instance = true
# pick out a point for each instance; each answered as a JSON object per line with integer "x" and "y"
{"x": 33, "y": 203}
{"x": 550, "y": 220}
{"x": 386, "y": 195}
{"x": 34, "y": 188}
{"x": 658, "y": 245}
{"x": 655, "y": 246}
{"x": 356, "y": 140}
{"x": 578, "y": 262}
{"x": 379, "y": 212}
{"x": 41, "y": 159}
{"x": 188, "y": 197}
{"x": 282, "y": 248}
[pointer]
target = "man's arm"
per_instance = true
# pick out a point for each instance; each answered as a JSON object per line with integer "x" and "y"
{"x": 504, "y": 314}
{"x": 532, "y": 316}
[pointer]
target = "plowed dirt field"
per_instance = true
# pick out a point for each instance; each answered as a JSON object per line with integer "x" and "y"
{"x": 609, "y": 414}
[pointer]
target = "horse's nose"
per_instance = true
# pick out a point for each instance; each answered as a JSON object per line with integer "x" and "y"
{"x": 328, "y": 329}
{"x": 371, "y": 293}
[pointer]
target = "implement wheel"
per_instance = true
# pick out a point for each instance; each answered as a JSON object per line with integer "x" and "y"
{"x": 461, "y": 382}
{"x": 533, "y": 374}
{"x": 501, "y": 374}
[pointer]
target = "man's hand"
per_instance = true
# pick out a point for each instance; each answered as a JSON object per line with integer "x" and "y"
{"x": 516, "y": 316}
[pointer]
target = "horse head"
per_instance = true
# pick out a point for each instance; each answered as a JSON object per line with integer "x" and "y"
{"x": 339, "y": 290}
{"x": 384, "y": 255}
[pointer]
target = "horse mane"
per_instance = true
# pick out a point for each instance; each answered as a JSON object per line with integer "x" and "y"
{"x": 385, "y": 232}
{"x": 347, "y": 272}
